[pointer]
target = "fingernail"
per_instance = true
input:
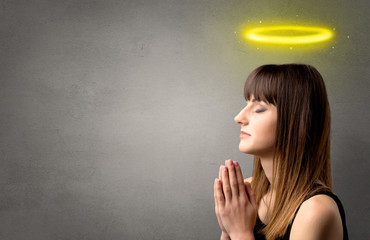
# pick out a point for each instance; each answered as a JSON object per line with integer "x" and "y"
{"x": 236, "y": 164}
{"x": 225, "y": 169}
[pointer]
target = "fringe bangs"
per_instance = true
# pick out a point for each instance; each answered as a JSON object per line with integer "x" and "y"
{"x": 262, "y": 85}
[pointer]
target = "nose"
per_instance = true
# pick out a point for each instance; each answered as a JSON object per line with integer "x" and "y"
{"x": 242, "y": 117}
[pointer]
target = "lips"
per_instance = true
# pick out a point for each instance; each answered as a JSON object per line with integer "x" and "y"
{"x": 245, "y": 133}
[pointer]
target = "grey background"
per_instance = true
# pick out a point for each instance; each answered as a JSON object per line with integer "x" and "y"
{"x": 115, "y": 115}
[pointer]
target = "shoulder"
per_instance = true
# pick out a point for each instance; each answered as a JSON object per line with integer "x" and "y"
{"x": 317, "y": 218}
{"x": 248, "y": 179}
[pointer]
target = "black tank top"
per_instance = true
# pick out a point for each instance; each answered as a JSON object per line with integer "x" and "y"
{"x": 260, "y": 225}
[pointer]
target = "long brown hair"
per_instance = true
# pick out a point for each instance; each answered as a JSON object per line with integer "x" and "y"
{"x": 301, "y": 162}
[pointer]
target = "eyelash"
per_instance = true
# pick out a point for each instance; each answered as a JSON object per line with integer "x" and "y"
{"x": 260, "y": 110}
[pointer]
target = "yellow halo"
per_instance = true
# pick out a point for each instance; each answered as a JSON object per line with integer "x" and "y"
{"x": 303, "y": 34}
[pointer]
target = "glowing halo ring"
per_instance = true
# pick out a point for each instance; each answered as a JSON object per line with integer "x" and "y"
{"x": 318, "y": 34}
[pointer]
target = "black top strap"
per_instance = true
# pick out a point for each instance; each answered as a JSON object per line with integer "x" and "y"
{"x": 260, "y": 225}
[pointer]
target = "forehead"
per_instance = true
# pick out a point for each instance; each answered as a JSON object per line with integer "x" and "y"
{"x": 261, "y": 85}
{"x": 253, "y": 100}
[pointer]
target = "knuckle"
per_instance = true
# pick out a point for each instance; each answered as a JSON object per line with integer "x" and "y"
{"x": 224, "y": 212}
{"x": 243, "y": 200}
{"x": 234, "y": 184}
{"x": 227, "y": 189}
{"x": 236, "y": 202}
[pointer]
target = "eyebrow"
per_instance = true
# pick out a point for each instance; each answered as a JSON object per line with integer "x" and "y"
{"x": 254, "y": 100}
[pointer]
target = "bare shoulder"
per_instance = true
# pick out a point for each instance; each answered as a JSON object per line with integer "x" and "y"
{"x": 317, "y": 218}
{"x": 248, "y": 179}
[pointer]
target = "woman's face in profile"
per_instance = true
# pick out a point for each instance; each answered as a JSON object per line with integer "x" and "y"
{"x": 258, "y": 125}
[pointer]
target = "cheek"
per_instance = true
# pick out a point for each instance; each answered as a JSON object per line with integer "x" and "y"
{"x": 268, "y": 131}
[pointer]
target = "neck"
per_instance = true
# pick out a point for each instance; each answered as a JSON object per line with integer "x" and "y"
{"x": 267, "y": 165}
{"x": 269, "y": 197}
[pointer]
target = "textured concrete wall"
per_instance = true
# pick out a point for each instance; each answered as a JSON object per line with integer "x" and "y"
{"x": 115, "y": 115}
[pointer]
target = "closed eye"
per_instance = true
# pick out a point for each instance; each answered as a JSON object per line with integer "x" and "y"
{"x": 260, "y": 110}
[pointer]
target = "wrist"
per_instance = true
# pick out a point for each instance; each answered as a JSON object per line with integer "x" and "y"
{"x": 245, "y": 236}
{"x": 225, "y": 236}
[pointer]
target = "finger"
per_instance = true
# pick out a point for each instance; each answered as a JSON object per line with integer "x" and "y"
{"x": 226, "y": 184}
{"x": 220, "y": 173}
{"x": 219, "y": 196}
{"x": 216, "y": 202}
{"x": 239, "y": 177}
{"x": 215, "y": 193}
{"x": 232, "y": 178}
{"x": 251, "y": 195}
{"x": 217, "y": 208}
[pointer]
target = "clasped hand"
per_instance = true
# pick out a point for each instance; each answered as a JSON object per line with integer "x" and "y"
{"x": 235, "y": 203}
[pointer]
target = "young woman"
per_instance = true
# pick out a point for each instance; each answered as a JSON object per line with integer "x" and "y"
{"x": 286, "y": 126}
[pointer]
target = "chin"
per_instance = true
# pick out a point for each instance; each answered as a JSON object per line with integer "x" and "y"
{"x": 245, "y": 149}
{"x": 256, "y": 152}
